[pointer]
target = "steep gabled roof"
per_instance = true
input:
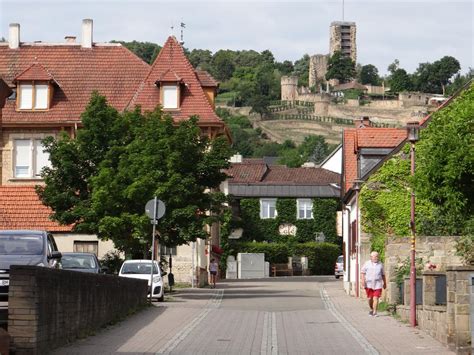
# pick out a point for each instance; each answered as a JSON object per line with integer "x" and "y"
{"x": 35, "y": 72}
{"x": 193, "y": 98}
{"x": 354, "y": 139}
{"x": 111, "y": 69}
{"x": 20, "y": 208}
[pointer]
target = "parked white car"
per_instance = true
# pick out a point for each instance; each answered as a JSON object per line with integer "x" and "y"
{"x": 141, "y": 269}
{"x": 339, "y": 267}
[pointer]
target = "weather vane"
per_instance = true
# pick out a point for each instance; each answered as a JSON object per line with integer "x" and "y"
{"x": 183, "y": 26}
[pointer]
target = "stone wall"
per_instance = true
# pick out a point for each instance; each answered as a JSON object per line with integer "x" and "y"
{"x": 401, "y": 115}
{"x": 49, "y": 308}
{"x": 317, "y": 69}
{"x": 440, "y": 251}
{"x": 289, "y": 88}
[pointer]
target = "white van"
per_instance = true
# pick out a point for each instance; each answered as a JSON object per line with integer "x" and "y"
{"x": 141, "y": 269}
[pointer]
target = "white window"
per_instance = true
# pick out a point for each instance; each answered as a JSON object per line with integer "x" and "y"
{"x": 29, "y": 158}
{"x": 268, "y": 208}
{"x": 170, "y": 96}
{"x": 41, "y": 97}
{"x": 305, "y": 208}
{"x": 33, "y": 97}
{"x": 26, "y": 97}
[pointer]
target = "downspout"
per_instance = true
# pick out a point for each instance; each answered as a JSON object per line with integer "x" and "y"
{"x": 348, "y": 246}
{"x": 357, "y": 244}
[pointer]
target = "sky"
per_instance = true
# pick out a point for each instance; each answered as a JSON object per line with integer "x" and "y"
{"x": 411, "y": 31}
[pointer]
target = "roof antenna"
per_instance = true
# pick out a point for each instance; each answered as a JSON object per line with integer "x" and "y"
{"x": 183, "y": 26}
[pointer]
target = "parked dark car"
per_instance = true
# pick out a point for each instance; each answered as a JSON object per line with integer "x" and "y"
{"x": 24, "y": 247}
{"x": 83, "y": 262}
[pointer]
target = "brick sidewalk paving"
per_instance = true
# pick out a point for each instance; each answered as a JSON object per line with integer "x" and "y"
{"x": 386, "y": 334}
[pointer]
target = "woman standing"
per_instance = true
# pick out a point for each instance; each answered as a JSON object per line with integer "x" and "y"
{"x": 213, "y": 267}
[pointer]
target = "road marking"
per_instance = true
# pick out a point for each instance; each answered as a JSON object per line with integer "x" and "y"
{"x": 212, "y": 304}
{"x": 369, "y": 349}
{"x": 269, "y": 335}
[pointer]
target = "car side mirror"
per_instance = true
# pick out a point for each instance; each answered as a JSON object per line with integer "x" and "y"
{"x": 163, "y": 273}
{"x": 56, "y": 255}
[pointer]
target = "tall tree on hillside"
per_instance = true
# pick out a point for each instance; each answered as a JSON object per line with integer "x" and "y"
{"x": 102, "y": 180}
{"x": 341, "y": 68}
{"x": 445, "y": 68}
{"x": 301, "y": 70}
{"x": 400, "y": 81}
{"x": 369, "y": 74}
{"x": 433, "y": 77}
{"x": 223, "y": 64}
{"x": 200, "y": 58}
{"x": 394, "y": 66}
{"x": 459, "y": 81}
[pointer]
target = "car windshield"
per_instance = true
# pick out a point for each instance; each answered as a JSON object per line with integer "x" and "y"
{"x": 138, "y": 268}
{"x": 340, "y": 259}
{"x": 21, "y": 244}
{"x": 78, "y": 262}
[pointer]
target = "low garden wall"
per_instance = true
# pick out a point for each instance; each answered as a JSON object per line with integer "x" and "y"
{"x": 49, "y": 307}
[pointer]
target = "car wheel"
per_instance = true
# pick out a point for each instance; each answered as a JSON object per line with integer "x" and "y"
{"x": 161, "y": 298}
{"x": 337, "y": 276}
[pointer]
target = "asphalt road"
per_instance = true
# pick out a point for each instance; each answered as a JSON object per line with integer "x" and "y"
{"x": 271, "y": 316}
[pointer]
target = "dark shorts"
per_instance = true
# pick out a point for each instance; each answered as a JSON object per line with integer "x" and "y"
{"x": 213, "y": 272}
{"x": 371, "y": 293}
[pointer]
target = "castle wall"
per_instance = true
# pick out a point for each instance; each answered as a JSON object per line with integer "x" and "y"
{"x": 289, "y": 88}
{"x": 317, "y": 69}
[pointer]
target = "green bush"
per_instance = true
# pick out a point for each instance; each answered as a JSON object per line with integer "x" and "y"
{"x": 321, "y": 256}
{"x": 275, "y": 253}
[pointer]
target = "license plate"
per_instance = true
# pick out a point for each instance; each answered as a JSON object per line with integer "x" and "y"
{"x": 4, "y": 282}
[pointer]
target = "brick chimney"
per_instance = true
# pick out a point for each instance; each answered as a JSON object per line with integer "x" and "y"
{"x": 14, "y": 35}
{"x": 363, "y": 122}
{"x": 86, "y": 33}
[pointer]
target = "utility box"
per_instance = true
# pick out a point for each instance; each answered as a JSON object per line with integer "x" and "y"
{"x": 231, "y": 271}
{"x": 250, "y": 265}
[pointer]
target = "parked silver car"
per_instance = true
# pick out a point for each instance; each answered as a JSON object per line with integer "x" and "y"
{"x": 339, "y": 267}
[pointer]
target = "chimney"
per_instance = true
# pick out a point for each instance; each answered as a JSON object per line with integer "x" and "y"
{"x": 87, "y": 33}
{"x": 14, "y": 35}
{"x": 70, "y": 39}
{"x": 363, "y": 122}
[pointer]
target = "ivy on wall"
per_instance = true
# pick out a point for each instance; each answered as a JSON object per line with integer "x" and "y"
{"x": 324, "y": 220}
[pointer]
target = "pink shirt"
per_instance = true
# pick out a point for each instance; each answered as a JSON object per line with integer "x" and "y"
{"x": 373, "y": 274}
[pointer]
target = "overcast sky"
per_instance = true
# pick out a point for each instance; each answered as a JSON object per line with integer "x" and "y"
{"x": 412, "y": 31}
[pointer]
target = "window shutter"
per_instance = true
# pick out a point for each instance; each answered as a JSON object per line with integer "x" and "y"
{"x": 170, "y": 96}
{"x": 22, "y": 158}
{"x": 26, "y": 97}
{"x": 41, "y": 97}
{"x": 42, "y": 158}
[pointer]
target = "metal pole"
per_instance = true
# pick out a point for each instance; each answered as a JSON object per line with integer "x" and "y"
{"x": 192, "y": 264}
{"x": 357, "y": 244}
{"x": 155, "y": 222}
{"x": 412, "y": 253}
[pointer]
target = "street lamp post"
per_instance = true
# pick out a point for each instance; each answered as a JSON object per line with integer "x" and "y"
{"x": 356, "y": 187}
{"x": 413, "y": 131}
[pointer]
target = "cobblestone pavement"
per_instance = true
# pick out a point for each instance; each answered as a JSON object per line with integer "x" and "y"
{"x": 299, "y": 315}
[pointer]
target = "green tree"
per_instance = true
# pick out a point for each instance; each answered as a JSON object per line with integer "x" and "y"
{"x": 126, "y": 159}
{"x": 145, "y": 50}
{"x": 369, "y": 74}
{"x": 301, "y": 70}
{"x": 341, "y": 68}
{"x": 200, "y": 58}
{"x": 445, "y": 68}
{"x": 223, "y": 64}
{"x": 445, "y": 159}
{"x": 459, "y": 81}
{"x": 400, "y": 81}
{"x": 394, "y": 66}
{"x": 433, "y": 77}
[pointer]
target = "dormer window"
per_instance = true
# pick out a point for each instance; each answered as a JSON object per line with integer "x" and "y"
{"x": 170, "y": 96}
{"x": 33, "y": 96}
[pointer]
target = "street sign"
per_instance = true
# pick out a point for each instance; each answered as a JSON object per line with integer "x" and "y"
{"x": 150, "y": 209}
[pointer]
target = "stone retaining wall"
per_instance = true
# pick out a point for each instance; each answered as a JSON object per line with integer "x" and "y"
{"x": 49, "y": 308}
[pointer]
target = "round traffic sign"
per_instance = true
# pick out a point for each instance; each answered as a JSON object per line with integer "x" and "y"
{"x": 158, "y": 211}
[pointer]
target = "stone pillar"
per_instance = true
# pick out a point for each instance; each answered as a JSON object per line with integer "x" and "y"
{"x": 459, "y": 280}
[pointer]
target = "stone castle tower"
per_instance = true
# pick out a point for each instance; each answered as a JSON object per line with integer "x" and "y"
{"x": 289, "y": 87}
{"x": 343, "y": 38}
{"x": 317, "y": 69}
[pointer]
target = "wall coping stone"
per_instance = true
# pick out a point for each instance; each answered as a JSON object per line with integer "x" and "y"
{"x": 460, "y": 268}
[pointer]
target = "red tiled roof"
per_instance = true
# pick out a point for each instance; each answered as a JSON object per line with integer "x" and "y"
{"x": 193, "y": 98}
{"x": 366, "y": 137}
{"x": 21, "y": 208}
{"x": 34, "y": 72}
{"x": 112, "y": 70}
{"x": 255, "y": 171}
{"x": 206, "y": 79}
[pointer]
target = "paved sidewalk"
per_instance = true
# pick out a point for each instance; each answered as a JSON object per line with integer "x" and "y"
{"x": 386, "y": 334}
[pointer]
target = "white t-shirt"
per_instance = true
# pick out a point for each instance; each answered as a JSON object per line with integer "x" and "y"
{"x": 373, "y": 274}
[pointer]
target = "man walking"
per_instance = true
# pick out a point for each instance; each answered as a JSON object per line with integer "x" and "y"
{"x": 373, "y": 279}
